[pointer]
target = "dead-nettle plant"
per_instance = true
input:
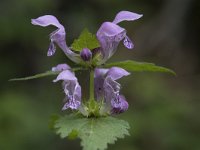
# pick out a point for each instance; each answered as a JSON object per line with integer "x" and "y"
{"x": 93, "y": 120}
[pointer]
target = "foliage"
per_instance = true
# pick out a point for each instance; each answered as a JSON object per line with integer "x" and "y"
{"x": 95, "y": 133}
{"x": 94, "y": 129}
{"x": 85, "y": 40}
{"x": 40, "y": 75}
{"x": 131, "y": 65}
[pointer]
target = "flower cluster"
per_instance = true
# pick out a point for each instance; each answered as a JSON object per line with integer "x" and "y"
{"x": 106, "y": 88}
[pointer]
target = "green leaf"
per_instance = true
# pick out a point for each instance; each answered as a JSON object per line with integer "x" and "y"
{"x": 95, "y": 133}
{"x": 40, "y": 75}
{"x": 130, "y": 65}
{"x": 48, "y": 73}
{"x": 85, "y": 40}
{"x": 52, "y": 121}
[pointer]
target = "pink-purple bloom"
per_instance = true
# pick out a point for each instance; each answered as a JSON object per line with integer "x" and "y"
{"x": 110, "y": 34}
{"x": 71, "y": 87}
{"x": 58, "y": 36}
{"x": 108, "y": 89}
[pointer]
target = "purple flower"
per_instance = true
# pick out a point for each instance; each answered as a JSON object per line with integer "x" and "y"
{"x": 110, "y": 34}
{"x": 71, "y": 88}
{"x": 58, "y": 36}
{"x": 108, "y": 90}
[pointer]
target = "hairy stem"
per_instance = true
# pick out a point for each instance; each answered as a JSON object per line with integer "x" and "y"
{"x": 91, "y": 85}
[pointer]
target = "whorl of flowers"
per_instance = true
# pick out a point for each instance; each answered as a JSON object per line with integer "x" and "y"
{"x": 105, "y": 97}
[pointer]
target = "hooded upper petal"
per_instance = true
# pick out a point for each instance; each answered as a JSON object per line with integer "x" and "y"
{"x": 66, "y": 75}
{"x": 58, "y": 36}
{"x": 47, "y": 20}
{"x": 116, "y": 73}
{"x": 61, "y": 67}
{"x": 126, "y": 16}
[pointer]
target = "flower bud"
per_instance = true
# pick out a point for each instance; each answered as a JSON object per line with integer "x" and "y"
{"x": 86, "y": 54}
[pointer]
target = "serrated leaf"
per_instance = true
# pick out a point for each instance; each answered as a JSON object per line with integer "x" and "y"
{"x": 95, "y": 133}
{"x": 85, "y": 40}
{"x": 73, "y": 135}
{"x": 40, "y": 75}
{"x": 52, "y": 121}
{"x": 130, "y": 65}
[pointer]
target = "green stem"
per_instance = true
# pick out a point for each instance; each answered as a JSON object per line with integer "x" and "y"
{"x": 91, "y": 85}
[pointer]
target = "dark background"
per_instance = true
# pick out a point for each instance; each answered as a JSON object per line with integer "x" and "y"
{"x": 164, "y": 110}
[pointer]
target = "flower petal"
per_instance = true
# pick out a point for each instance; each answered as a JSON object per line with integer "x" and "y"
{"x": 119, "y": 106}
{"x": 65, "y": 76}
{"x": 71, "y": 104}
{"x": 116, "y": 73}
{"x": 61, "y": 67}
{"x": 52, "y": 49}
{"x": 71, "y": 88}
{"x": 117, "y": 102}
{"x": 107, "y": 89}
{"x": 109, "y": 29}
{"x": 128, "y": 43}
{"x": 111, "y": 89}
{"x": 47, "y": 20}
{"x": 126, "y": 16}
{"x": 73, "y": 95}
{"x": 99, "y": 77}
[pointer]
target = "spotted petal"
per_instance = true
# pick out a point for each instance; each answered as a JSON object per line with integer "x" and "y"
{"x": 107, "y": 88}
{"x": 119, "y": 105}
{"x": 117, "y": 102}
{"x": 128, "y": 43}
{"x": 71, "y": 88}
{"x": 99, "y": 77}
{"x": 109, "y": 36}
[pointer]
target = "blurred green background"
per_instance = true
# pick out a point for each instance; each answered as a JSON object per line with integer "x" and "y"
{"x": 164, "y": 110}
